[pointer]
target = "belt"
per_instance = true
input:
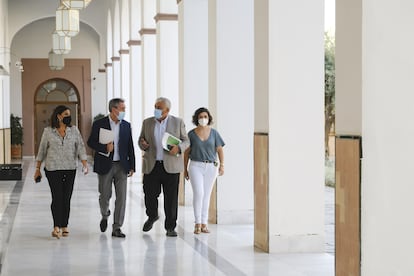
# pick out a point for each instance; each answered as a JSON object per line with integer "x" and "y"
{"x": 117, "y": 161}
{"x": 209, "y": 162}
{"x": 159, "y": 161}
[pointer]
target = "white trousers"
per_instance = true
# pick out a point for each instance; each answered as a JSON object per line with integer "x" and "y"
{"x": 202, "y": 177}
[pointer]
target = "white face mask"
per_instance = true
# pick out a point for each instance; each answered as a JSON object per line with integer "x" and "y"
{"x": 203, "y": 121}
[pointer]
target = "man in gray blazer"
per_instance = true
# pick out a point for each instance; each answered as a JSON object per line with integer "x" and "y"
{"x": 162, "y": 167}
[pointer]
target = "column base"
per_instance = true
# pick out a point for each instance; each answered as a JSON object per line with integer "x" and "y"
{"x": 235, "y": 217}
{"x": 297, "y": 244}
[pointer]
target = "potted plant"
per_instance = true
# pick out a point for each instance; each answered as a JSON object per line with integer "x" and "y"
{"x": 98, "y": 116}
{"x": 16, "y": 130}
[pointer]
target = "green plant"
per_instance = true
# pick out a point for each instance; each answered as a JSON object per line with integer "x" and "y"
{"x": 16, "y": 130}
{"x": 329, "y": 87}
{"x": 98, "y": 116}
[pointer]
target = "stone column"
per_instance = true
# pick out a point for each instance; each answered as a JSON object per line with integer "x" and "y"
{"x": 135, "y": 78}
{"x": 149, "y": 61}
{"x": 116, "y": 76}
{"x": 193, "y": 62}
{"x": 125, "y": 81}
{"x": 5, "y": 142}
{"x": 231, "y": 98}
{"x": 193, "y": 57}
{"x": 124, "y": 53}
{"x": 116, "y": 46}
{"x": 166, "y": 20}
{"x": 348, "y": 129}
{"x": 289, "y": 125}
{"x": 387, "y": 130}
{"x": 109, "y": 82}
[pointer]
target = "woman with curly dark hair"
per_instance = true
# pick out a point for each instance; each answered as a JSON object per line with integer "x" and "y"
{"x": 206, "y": 145}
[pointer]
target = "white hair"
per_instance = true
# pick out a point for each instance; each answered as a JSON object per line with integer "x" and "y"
{"x": 164, "y": 100}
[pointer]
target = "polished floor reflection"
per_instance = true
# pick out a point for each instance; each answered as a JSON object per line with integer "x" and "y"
{"x": 30, "y": 249}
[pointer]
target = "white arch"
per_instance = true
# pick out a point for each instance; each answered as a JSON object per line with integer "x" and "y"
{"x": 17, "y": 30}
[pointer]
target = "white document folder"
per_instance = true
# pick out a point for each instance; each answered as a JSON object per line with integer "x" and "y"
{"x": 106, "y": 136}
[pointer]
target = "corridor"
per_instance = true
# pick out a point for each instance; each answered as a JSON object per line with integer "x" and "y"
{"x": 27, "y": 247}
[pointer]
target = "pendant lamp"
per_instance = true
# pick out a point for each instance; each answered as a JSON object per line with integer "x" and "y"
{"x": 67, "y": 21}
{"x": 56, "y": 61}
{"x": 61, "y": 44}
{"x": 76, "y": 4}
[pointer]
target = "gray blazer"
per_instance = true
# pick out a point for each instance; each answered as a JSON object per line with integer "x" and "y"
{"x": 172, "y": 163}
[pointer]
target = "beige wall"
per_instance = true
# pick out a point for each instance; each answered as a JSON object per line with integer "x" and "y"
{"x": 36, "y": 72}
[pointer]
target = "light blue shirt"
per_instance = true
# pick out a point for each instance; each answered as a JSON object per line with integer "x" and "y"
{"x": 115, "y": 130}
{"x": 159, "y": 131}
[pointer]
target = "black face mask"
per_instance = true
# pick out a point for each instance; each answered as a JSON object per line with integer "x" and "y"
{"x": 67, "y": 120}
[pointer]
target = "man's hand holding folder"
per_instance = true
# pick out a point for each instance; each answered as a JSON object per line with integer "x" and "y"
{"x": 170, "y": 143}
{"x": 106, "y": 137}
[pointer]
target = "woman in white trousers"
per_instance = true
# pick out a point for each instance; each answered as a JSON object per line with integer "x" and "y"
{"x": 206, "y": 145}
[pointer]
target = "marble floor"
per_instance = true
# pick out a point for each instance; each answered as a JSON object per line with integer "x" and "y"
{"x": 27, "y": 247}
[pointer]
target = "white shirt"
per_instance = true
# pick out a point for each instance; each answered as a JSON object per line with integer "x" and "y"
{"x": 115, "y": 129}
{"x": 159, "y": 131}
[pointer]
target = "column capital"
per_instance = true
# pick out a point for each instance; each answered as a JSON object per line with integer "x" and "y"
{"x": 108, "y": 64}
{"x": 115, "y": 59}
{"x": 165, "y": 17}
{"x": 134, "y": 42}
{"x": 178, "y": 1}
{"x": 101, "y": 70}
{"x": 123, "y": 52}
{"x": 145, "y": 31}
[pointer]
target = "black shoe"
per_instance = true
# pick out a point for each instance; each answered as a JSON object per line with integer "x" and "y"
{"x": 103, "y": 224}
{"x": 118, "y": 233}
{"x": 148, "y": 224}
{"x": 171, "y": 233}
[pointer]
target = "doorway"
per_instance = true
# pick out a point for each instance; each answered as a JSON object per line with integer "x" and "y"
{"x": 50, "y": 94}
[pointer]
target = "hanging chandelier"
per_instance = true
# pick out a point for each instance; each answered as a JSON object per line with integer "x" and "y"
{"x": 56, "y": 61}
{"x": 76, "y": 4}
{"x": 67, "y": 21}
{"x": 61, "y": 44}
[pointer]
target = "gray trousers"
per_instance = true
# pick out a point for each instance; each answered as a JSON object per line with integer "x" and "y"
{"x": 119, "y": 177}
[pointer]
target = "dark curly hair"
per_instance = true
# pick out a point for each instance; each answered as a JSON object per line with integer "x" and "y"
{"x": 201, "y": 110}
{"x": 54, "y": 121}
